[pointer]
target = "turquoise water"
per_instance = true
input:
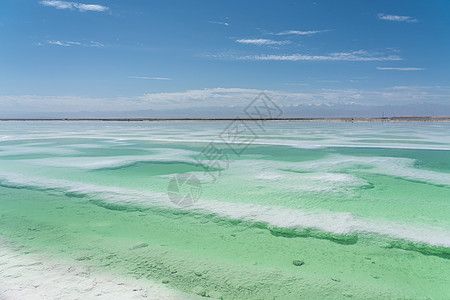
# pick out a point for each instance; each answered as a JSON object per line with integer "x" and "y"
{"x": 364, "y": 206}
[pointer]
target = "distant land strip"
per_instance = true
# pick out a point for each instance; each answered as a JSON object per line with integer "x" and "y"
{"x": 356, "y": 119}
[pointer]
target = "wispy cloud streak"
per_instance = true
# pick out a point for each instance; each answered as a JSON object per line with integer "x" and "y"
{"x": 299, "y": 32}
{"x": 69, "y": 44}
{"x": 261, "y": 42}
{"x": 149, "y": 78}
{"x": 400, "y": 69}
{"x": 61, "y": 43}
{"x": 395, "y": 18}
{"x": 74, "y": 5}
{"x": 220, "y": 23}
{"x": 360, "y": 55}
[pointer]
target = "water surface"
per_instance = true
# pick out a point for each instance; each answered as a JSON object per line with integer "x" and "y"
{"x": 364, "y": 206}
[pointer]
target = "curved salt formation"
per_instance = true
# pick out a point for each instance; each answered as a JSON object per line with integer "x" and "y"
{"x": 339, "y": 224}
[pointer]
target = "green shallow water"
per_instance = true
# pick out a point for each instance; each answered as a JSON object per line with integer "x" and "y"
{"x": 382, "y": 212}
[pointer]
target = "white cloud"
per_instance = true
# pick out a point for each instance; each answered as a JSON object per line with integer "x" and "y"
{"x": 360, "y": 55}
{"x": 94, "y": 44}
{"x": 409, "y": 87}
{"x": 59, "y": 43}
{"x": 235, "y": 97}
{"x": 62, "y": 43}
{"x": 58, "y": 4}
{"x": 74, "y": 5}
{"x": 298, "y": 32}
{"x": 401, "y": 69}
{"x": 68, "y": 44}
{"x": 395, "y": 18}
{"x": 201, "y": 98}
{"x": 260, "y": 42}
{"x": 149, "y": 78}
{"x": 90, "y": 7}
{"x": 220, "y": 23}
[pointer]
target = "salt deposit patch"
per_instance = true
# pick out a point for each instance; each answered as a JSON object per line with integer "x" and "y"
{"x": 92, "y": 163}
{"x": 35, "y": 276}
{"x": 391, "y": 166}
{"x": 340, "y": 223}
{"x": 23, "y": 150}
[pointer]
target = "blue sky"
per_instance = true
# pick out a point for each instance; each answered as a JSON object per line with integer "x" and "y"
{"x": 58, "y": 56}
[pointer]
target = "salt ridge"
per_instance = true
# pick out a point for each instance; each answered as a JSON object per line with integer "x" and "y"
{"x": 336, "y": 223}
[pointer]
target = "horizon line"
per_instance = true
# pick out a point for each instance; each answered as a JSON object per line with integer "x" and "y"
{"x": 317, "y": 119}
